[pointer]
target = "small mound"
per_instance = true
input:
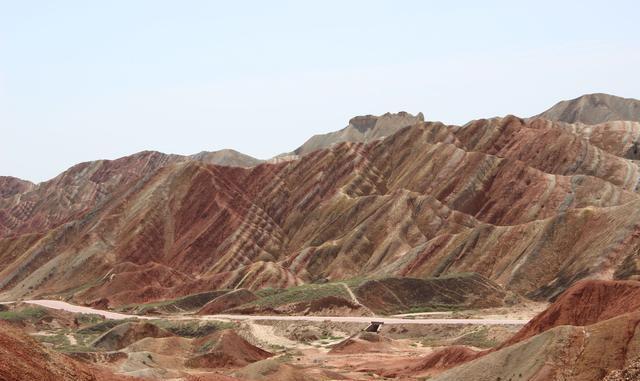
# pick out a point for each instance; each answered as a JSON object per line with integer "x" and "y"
{"x": 227, "y": 301}
{"x": 364, "y": 342}
{"x": 395, "y": 295}
{"x": 585, "y": 303}
{"x": 433, "y": 363}
{"x": 126, "y": 334}
{"x": 225, "y": 349}
{"x": 274, "y": 370}
{"x": 329, "y": 306}
{"x": 168, "y": 346}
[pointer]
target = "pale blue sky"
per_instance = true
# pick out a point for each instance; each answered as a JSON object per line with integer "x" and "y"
{"x": 85, "y": 80}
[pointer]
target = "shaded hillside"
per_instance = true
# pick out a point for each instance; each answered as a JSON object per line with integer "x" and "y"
{"x": 594, "y": 109}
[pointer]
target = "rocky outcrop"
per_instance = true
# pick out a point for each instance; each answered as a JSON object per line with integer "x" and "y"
{"x": 225, "y": 349}
{"x": 127, "y": 333}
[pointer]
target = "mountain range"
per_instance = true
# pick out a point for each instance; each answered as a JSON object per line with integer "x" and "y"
{"x": 533, "y": 204}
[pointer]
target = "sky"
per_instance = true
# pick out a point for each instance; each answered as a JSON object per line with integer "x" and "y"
{"x": 87, "y": 80}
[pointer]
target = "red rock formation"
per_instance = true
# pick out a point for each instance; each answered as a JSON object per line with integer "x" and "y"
{"x": 529, "y": 205}
{"x": 587, "y": 302}
{"x": 226, "y": 350}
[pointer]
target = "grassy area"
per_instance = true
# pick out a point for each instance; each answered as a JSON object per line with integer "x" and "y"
{"x": 29, "y": 313}
{"x": 187, "y": 303}
{"x": 60, "y": 341}
{"x": 101, "y": 327}
{"x": 89, "y": 319}
{"x": 193, "y": 328}
{"x": 307, "y": 292}
{"x": 479, "y": 339}
{"x": 434, "y": 308}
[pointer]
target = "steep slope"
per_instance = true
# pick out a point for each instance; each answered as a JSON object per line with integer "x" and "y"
{"x": 594, "y": 109}
{"x": 361, "y": 129}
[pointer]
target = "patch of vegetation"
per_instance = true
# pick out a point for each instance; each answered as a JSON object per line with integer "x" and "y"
{"x": 57, "y": 340}
{"x": 89, "y": 319}
{"x": 354, "y": 283}
{"x": 206, "y": 347}
{"x": 330, "y": 337}
{"x": 61, "y": 343}
{"x": 183, "y": 304}
{"x": 479, "y": 338}
{"x": 303, "y": 293}
{"x": 193, "y": 328}
{"x": 102, "y": 327}
{"x": 268, "y": 291}
{"x": 28, "y": 313}
{"x": 433, "y": 308}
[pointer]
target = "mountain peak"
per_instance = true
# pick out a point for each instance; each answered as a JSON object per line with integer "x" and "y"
{"x": 594, "y": 109}
{"x": 362, "y": 128}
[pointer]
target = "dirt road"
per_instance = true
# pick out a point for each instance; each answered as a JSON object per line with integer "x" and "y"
{"x": 60, "y": 305}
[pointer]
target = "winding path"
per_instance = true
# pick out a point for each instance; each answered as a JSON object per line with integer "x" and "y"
{"x": 60, "y": 305}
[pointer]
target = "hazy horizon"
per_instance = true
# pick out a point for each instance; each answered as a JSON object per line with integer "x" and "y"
{"x": 81, "y": 81}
